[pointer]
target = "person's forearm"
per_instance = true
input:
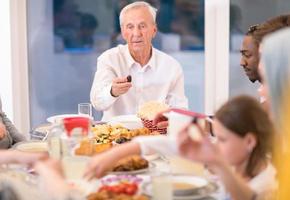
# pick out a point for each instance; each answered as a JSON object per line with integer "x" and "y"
{"x": 8, "y": 156}
{"x": 54, "y": 184}
{"x": 234, "y": 184}
{"x": 11, "y": 129}
{"x": 157, "y": 144}
{"x": 14, "y": 156}
{"x": 124, "y": 150}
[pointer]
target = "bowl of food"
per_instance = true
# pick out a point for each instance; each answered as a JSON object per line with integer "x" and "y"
{"x": 187, "y": 185}
{"x": 116, "y": 187}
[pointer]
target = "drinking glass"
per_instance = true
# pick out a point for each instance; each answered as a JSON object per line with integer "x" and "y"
{"x": 74, "y": 166}
{"x": 162, "y": 187}
{"x": 176, "y": 123}
{"x": 85, "y": 109}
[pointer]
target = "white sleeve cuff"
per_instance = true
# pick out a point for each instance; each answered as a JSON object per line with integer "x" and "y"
{"x": 107, "y": 91}
{"x": 102, "y": 98}
{"x": 157, "y": 144}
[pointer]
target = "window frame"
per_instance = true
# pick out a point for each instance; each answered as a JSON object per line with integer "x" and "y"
{"x": 217, "y": 40}
{"x": 217, "y": 52}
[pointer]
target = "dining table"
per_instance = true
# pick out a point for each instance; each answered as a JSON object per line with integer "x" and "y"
{"x": 158, "y": 164}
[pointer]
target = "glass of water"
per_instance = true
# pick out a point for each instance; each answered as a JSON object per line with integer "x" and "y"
{"x": 74, "y": 166}
{"x": 162, "y": 180}
{"x": 85, "y": 109}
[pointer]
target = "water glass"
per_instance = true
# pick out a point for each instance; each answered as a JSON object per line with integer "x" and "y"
{"x": 85, "y": 109}
{"x": 176, "y": 123}
{"x": 74, "y": 166}
{"x": 162, "y": 187}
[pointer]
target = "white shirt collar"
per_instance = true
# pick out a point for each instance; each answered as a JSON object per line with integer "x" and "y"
{"x": 152, "y": 61}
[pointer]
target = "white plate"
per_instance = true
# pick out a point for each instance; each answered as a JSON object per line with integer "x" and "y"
{"x": 58, "y": 118}
{"x": 128, "y": 121}
{"x": 84, "y": 186}
{"x": 151, "y": 157}
{"x": 200, "y": 183}
{"x": 31, "y": 146}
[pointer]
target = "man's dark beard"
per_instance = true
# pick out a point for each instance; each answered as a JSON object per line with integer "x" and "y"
{"x": 253, "y": 80}
{"x": 258, "y": 78}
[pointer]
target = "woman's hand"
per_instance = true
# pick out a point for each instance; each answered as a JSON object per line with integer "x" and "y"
{"x": 14, "y": 156}
{"x": 49, "y": 167}
{"x": 99, "y": 165}
{"x": 30, "y": 158}
{"x": 201, "y": 149}
{"x": 51, "y": 179}
{"x": 160, "y": 120}
{"x": 2, "y": 131}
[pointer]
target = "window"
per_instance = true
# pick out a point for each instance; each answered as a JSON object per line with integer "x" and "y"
{"x": 66, "y": 37}
{"x": 244, "y": 14}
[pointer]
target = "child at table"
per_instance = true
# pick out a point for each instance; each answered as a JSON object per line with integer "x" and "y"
{"x": 241, "y": 157}
{"x": 244, "y": 136}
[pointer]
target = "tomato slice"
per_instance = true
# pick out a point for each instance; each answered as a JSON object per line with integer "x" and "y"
{"x": 130, "y": 190}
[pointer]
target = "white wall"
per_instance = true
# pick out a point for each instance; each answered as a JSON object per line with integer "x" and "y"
{"x": 13, "y": 74}
{"x": 5, "y": 61}
{"x": 19, "y": 65}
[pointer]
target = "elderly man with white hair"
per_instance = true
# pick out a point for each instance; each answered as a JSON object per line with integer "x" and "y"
{"x": 132, "y": 74}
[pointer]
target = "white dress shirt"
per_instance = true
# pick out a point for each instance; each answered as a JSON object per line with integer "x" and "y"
{"x": 161, "y": 79}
